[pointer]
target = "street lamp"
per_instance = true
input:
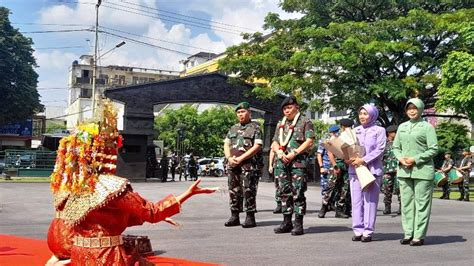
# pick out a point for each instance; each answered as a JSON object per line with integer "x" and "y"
{"x": 94, "y": 75}
{"x": 116, "y": 46}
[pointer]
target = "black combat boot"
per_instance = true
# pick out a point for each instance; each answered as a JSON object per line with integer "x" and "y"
{"x": 278, "y": 208}
{"x": 388, "y": 209}
{"x": 461, "y": 198}
{"x": 340, "y": 213}
{"x": 466, "y": 197}
{"x": 322, "y": 212}
{"x": 447, "y": 196}
{"x": 443, "y": 196}
{"x": 234, "y": 219}
{"x": 249, "y": 220}
{"x": 285, "y": 226}
{"x": 298, "y": 228}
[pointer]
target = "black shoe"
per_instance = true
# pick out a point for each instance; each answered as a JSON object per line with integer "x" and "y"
{"x": 388, "y": 209}
{"x": 405, "y": 241}
{"x": 341, "y": 214}
{"x": 417, "y": 243}
{"x": 356, "y": 238}
{"x": 234, "y": 219}
{"x": 285, "y": 226}
{"x": 322, "y": 212}
{"x": 278, "y": 208}
{"x": 249, "y": 220}
{"x": 298, "y": 227}
{"x": 366, "y": 239}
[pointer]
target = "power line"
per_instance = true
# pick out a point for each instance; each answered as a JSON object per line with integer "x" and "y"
{"x": 229, "y": 31}
{"x": 50, "y": 24}
{"x": 160, "y": 40}
{"x": 60, "y": 47}
{"x": 53, "y": 31}
{"x": 145, "y": 43}
{"x": 186, "y": 16}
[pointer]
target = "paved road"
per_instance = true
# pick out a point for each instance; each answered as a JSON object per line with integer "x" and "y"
{"x": 26, "y": 211}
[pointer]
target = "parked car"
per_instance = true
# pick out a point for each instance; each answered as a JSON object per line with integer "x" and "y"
{"x": 205, "y": 169}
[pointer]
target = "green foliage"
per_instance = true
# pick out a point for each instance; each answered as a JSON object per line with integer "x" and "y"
{"x": 204, "y": 133}
{"x": 452, "y": 137}
{"x": 54, "y": 126}
{"x": 320, "y": 129}
{"x": 346, "y": 53}
{"x": 19, "y": 97}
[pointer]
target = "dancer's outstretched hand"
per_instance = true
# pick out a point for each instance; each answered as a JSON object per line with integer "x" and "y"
{"x": 194, "y": 189}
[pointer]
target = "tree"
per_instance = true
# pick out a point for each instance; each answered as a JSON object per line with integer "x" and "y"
{"x": 203, "y": 133}
{"x": 452, "y": 137}
{"x": 346, "y": 53}
{"x": 19, "y": 97}
{"x": 457, "y": 83}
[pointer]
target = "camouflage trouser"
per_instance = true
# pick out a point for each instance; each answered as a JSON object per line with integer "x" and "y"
{"x": 242, "y": 187}
{"x": 446, "y": 188}
{"x": 292, "y": 186}
{"x": 324, "y": 183}
{"x": 277, "y": 191}
{"x": 337, "y": 190}
{"x": 390, "y": 187}
{"x": 464, "y": 186}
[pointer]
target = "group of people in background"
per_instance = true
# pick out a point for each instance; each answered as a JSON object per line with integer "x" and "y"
{"x": 456, "y": 175}
{"x": 399, "y": 157}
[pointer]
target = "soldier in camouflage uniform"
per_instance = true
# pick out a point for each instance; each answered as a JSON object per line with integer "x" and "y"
{"x": 448, "y": 164}
{"x": 465, "y": 168}
{"x": 337, "y": 195}
{"x": 294, "y": 136}
{"x": 242, "y": 149}
{"x": 389, "y": 181}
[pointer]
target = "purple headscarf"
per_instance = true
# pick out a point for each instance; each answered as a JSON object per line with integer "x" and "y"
{"x": 373, "y": 114}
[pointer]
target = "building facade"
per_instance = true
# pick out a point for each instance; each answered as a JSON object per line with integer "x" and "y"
{"x": 112, "y": 76}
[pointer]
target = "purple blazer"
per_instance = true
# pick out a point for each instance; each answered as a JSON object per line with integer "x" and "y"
{"x": 373, "y": 139}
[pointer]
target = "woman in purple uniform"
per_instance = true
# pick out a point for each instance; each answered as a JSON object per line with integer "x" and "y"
{"x": 364, "y": 202}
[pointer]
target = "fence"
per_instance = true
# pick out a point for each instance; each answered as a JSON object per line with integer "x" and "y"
{"x": 29, "y": 162}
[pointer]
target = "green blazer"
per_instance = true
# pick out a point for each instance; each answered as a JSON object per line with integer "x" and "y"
{"x": 416, "y": 139}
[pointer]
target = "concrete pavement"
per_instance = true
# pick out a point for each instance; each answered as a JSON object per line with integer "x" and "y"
{"x": 26, "y": 210}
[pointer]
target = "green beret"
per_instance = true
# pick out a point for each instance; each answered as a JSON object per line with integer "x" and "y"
{"x": 242, "y": 105}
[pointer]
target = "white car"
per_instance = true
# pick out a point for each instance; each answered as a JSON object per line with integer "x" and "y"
{"x": 219, "y": 163}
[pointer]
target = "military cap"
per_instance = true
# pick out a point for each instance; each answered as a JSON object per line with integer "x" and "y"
{"x": 447, "y": 152}
{"x": 346, "y": 122}
{"x": 392, "y": 128}
{"x": 333, "y": 128}
{"x": 288, "y": 100}
{"x": 242, "y": 105}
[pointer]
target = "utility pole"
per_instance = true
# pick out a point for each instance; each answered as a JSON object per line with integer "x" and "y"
{"x": 96, "y": 48}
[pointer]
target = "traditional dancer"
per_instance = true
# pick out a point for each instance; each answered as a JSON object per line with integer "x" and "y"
{"x": 415, "y": 146}
{"x": 93, "y": 206}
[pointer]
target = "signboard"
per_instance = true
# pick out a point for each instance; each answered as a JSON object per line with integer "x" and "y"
{"x": 24, "y": 128}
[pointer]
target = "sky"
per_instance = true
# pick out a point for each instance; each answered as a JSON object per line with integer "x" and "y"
{"x": 169, "y": 31}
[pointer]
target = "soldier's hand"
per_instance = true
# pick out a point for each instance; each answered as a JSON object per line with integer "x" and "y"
{"x": 270, "y": 169}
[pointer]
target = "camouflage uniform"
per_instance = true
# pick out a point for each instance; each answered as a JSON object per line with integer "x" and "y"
{"x": 292, "y": 177}
{"x": 326, "y": 164}
{"x": 243, "y": 179}
{"x": 464, "y": 186}
{"x": 338, "y": 192}
{"x": 446, "y": 187}
{"x": 390, "y": 183}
